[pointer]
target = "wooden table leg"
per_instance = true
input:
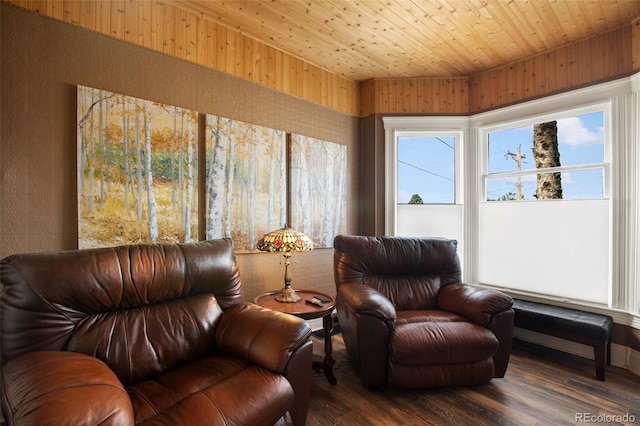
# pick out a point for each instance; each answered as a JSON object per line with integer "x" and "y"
{"x": 328, "y": 362}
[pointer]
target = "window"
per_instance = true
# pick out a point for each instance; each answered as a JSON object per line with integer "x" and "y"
{"x": 426, "y": 169}
{"x": 562, "y": 247}
{"x": 561, "y": 158}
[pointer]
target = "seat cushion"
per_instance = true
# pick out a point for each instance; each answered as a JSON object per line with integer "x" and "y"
{"x": 214, "y": 390}
{"x": 441, "y": 342}
{"x": 427, "y": 315}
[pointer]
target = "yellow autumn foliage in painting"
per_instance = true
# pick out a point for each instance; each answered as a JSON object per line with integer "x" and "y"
{"x": 112, "y": 224}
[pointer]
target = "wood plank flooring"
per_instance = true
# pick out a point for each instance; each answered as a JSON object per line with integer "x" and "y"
{"x": 541, "y": 387}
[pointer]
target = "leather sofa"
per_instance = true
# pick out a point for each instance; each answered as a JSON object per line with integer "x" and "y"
{"x": 146, "y": 334}
{"x": 407, "y": 319}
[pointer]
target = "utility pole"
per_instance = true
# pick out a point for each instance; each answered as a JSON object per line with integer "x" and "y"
{"x": 518, "y": 157}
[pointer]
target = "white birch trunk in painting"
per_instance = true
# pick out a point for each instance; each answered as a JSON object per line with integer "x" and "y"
{"x": 273, "y": 167}
{"x": 304, "y": 195}
{"x": 251, "y": 183}
{"x": 151, "y": 201}
{"x": 139, "y": 184}
{"x": 215, "y": 182}
{"x": 294, "y": 180}
{"x": 172, "y": 157}
{"x": 81, "y": 151}
{"x": 238, "y": 139}
{"x": 283, "y": 185}
{"x": 92, "y": 158}
{"x": 230, "y": 179}
{"x": 307, "y": 201}
{"x": 190, "y": 182}
{"x": 181, "y": 167}
{"x": 106, "y": 143}
{"x": 101, "y": 149}
{"x": 125, "y": 149}
{"x": 341, "y": 182}
{"x": 328, "y": 202}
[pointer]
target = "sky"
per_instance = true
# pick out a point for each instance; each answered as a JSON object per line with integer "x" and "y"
{"x": 426, "y": 164}
{"x": 426, "y": 167}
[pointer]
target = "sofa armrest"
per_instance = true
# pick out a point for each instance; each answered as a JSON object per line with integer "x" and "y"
{"x": 55, "y": 387}
{"x": 475, "y": 303}
{"x": 365, "y": 300}
{"x": 261, "y": 336}
{"x": 366, "y": 320}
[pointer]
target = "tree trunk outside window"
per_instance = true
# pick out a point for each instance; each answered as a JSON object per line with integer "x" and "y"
{"x": 546, "y": 154}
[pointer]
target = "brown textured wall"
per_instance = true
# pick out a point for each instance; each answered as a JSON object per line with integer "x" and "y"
{"x": 41, "y": 63}
{"x": 372, "y": 176}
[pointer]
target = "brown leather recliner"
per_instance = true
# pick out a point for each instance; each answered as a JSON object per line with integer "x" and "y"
{"x": 407, "y": 320}
{"x": 146, "y": 334}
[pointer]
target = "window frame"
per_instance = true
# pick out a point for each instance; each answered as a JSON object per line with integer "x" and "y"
{"x": 571, "y": 112}
{"x": 420, "y": 126}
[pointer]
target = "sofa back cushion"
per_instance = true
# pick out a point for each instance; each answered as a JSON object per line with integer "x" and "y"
{"x": 408, "y": 271}
{"x": 141, "y": 309}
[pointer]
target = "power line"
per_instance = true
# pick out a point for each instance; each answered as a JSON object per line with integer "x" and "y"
{"x": 444, "y": 142}
{"x": 426, "y": 171}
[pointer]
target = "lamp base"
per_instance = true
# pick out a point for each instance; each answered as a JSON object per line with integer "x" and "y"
{"x": 288, "y": 295}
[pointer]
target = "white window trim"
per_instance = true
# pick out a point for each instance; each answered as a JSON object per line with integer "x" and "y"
{"x": 419, "y": 126}
{"x": 541, "y": 118}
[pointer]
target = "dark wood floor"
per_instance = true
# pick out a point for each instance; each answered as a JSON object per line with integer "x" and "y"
{"x": 541, "y": 387}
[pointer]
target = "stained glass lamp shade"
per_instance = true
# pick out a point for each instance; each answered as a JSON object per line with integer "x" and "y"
{"x": 286, "y": 241}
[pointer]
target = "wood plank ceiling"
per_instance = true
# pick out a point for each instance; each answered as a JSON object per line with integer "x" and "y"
{"x": 364, "y": 39}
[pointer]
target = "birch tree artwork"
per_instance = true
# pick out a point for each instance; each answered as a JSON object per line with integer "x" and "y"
{"x": 245, "y": 193}
{"x": 137, "y": 171}
{"x": 318, "y": 189}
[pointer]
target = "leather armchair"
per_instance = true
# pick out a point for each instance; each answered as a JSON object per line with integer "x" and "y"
{"x": 407, "y": 319}
{"x": 146, "y": 334}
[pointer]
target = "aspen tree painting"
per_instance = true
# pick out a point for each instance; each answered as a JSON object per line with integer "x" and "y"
{"x": 137, "y": 171}
{"x": 245, "y": 193}
{"x": 318, "y": 189}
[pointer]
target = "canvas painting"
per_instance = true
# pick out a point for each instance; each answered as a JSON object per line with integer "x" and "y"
{"x": 245, "y": 188}
{"x": 318, "y": 189}
{"x": 137, "y": 171}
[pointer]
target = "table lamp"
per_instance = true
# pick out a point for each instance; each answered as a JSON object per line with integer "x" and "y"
{"x": 286, "y": 241}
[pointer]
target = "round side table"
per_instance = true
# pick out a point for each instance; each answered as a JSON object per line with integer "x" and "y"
{"x": 308, "y": 311}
